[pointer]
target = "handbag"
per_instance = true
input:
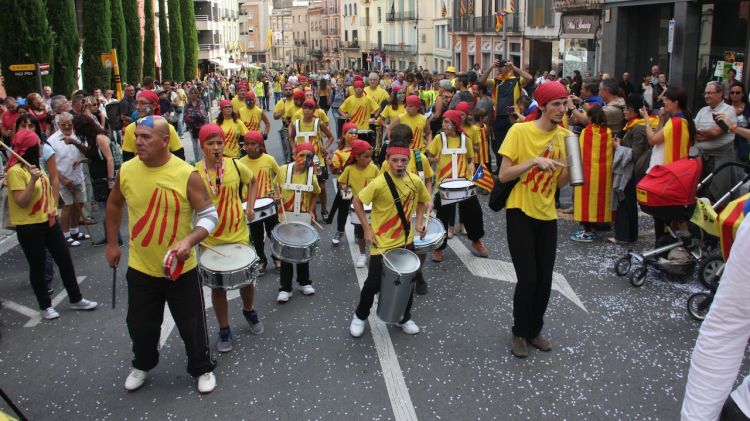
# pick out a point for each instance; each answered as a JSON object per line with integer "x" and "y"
{"x": 500, "y": 193}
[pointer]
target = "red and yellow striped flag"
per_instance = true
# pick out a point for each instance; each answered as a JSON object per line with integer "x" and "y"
{"x": 730, "y": 219}
{"x": 593, "y": 200}
{"x": 676, "y": 139}
{"x": 498, "y": 22}
{"x": 483, "y": 178}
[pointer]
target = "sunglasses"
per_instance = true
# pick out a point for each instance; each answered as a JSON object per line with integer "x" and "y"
{"x": 736, "y": 92}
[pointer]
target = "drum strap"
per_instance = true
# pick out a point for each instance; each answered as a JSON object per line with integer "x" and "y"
{"x": 399, "y": 207}
{"x": 307, "y": 135}
{"x": 234, "y": 161}
{"x": 418, "y": 162}
{"x": 298, "y": 188}
{"x": 453, "y": 152}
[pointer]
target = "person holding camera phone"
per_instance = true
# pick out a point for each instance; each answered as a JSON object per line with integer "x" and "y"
{"x": 508, "y": 88}
{"x": 713, "y": 140}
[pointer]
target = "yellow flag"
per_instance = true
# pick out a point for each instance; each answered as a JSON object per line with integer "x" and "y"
{"x": 269, "y": 35}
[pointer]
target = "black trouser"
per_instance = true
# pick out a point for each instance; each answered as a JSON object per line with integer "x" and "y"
{"x": 146, "y": 298}
{"x": 532, "y": 244}
{"x": 342, "y": 213}
{"x": 626, "y": 222}
{"x": 287, "y": 271}
{"x": 501, "y": 127}
{"x": 35, "y": 241}
{"x": 372, "y": 287}
{"x": 256, "y": 235}
{"x": 731, "y": 412}
{"x": 471, "y": 211}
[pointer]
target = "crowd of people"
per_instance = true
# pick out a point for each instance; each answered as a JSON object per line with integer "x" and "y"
{"x": 395, "y": 139}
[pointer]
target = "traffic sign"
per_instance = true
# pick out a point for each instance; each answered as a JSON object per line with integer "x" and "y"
{"x": 29, "y": 69}
{"x": 22, "y": 67}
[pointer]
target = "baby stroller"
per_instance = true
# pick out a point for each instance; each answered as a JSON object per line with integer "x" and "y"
{"x": 668, "y": 192}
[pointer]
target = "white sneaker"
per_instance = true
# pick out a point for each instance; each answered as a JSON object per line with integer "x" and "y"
{"x": 84, "y": 304}
{"x": 207, "y": 383}
{"x": 410, "y": 328}
{"x": 336, "y": 240}
{"x": 283, "y": 296}
{"x": 135, "y": 379}
{"x": 307, "y": 289}
{"x": 50, "y": 313}
{"x": 361, "y": 261}
{"x": 357, "y": 328}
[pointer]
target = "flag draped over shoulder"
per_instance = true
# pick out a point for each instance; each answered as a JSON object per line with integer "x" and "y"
{"x": 676, "y": 139}
{"x": 483, "y": 178}
{"x": 729, "y": 220}
{"x": 593, "y": 200}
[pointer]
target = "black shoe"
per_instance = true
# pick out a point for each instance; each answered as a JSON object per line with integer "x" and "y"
{"x": 421, "y": 287}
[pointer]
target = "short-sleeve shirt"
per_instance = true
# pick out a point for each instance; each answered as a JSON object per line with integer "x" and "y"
{"x": 359, "y": 110}
{"x": 411, "y": 166}
{"x": 319, "y": 113}
{"x": 237, "y": 104}
{"x": 251, "y": 117}
{"x": 445, "y": 162}
{"x": 128, "y": 139}
{"x": 287, "y": 196}
{"x": 357, "y": 178}
{"x": 417, "y": 124}
{"x": 385, "y": 221}
{"x": 233, "y": 132}
{"x": 389, "y": 113}
{"x": 340, "y": 156}
{"x": 378, "y": 94}
{"x": 534, "y": 194}
{"x": 42, "y": 203}
{"x": 265, "y": 169}
{"x": 232, "y": 227}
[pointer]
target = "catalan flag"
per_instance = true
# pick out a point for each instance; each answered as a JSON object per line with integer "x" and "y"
{"x": 499, "y": 21}
{"x": 676, "y": 138}
{"x": 462, "y": 8}
{"x": 730, "y": 219}
{"x": 593, "y": 200}
{"x": 483, "y": 178}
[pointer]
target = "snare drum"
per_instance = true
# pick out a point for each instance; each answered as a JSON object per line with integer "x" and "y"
{"x": 456, "y": 190}
{"x": 434, "y": 236}
{"x": 353, "y": 215}
{"x": 235, "y": 267}
{"x": 346, "y": 194}
{"x": 294, "y": 242}
{"x": 265, "y": 207}
{"x": 367, "y": 135}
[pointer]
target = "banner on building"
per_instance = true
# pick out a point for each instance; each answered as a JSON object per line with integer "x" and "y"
{"x": 486, "y": 46}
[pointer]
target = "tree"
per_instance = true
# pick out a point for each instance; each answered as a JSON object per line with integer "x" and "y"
{"x": 149, "y": 39}
{"x": 134, "y": 41}
{"x": 166, "y": 53}
{"x": 31, "y": 42}
{"x": 61, "y": 15}
{"x": 175, "y": 40}
{"x": 190, "y": 38}
{"x": 97, "y": 39}
{"x": 119, "y": 37}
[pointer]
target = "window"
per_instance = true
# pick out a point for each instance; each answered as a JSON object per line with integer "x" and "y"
{"x": 379, "y": 15}
{"x": 346, "y": 35}
{"x": 355, "y": 9}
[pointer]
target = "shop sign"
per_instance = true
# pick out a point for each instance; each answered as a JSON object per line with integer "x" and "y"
{"x": 486, "y": 46}
{"x": 580, "y": 24}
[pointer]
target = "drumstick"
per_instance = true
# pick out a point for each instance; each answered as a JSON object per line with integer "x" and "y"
{"x": 20, "y": 158}
{"x": 316, "y": 223}
{"x": 114, "y": 285}
{"x": 213, "y": 249}
{"x": 385, "y": 258}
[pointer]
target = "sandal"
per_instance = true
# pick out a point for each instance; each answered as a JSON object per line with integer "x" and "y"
{"x": 81, "y": 236}
{"x": 72, "y": 242}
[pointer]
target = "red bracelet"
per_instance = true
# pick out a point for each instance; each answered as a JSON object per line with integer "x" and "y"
{"x": 172, "y": 266}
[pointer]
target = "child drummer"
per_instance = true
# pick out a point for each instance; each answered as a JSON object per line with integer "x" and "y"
{"x": 387, "y": 229}
{"x": 355, "y": 177}
{"x": 297, "y": 205}
{"x": 453, "y": 152}
{"x": 265, "y": 168}
{"x": 339, "y": 161}
{"x": 223, "y": 177}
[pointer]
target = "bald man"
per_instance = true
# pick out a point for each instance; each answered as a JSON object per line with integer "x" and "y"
{"x": 147, "y": 104}
{"x": 162, "y": 193}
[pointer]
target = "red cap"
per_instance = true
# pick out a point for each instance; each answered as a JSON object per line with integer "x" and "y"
{"x": 302, "y": 78}
{"x": 309, "y": 103}
{"x": 358, "y": 77}
{"x": 397, "y": 88}
{"x": 242, "y": 85}
{"x": 549, "y": 91}
{"x": 209, "y": 131}
{"x": 414, "y": 101}
{"x": 288, "y": 86}
{"x": 23, "y": 140}
{"x": 455, "y": 118}
{"x": 359, "y": 84}
{"x": 250, "y": 95}
{"x": 359, "y": 146}
{"x": 152, "y": 98}
{"x": 225, "y": 103}
{"x": 298, "y": 95}
{"x": 304, "y": 147}
{"x": 463, "y": 107}
{"x": 348, "y": 126}
{"x": 255, "y": 136}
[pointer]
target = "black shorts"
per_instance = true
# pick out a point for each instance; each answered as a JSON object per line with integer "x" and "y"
{"x": 323, "y": 174}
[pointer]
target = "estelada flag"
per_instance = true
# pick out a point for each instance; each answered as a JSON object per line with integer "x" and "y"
{"x": 593, "y": 200}
{"x": 729, "y": 221}
{"x": 483, "y": 178}
{"x": 676, "y": 138}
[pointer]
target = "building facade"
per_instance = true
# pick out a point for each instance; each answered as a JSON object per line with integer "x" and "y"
{"x": 401, "y": 38}
{"x": 442, "y": 52}
{"x": 315, "y": 13}
{"x": 301, "y": 36}
{"x": 282, "y": 44}
{"x": 218, "y": 27}
{"x": 254, "y": 32}
{"x": 330, "y": 32}
{"x": 351, "y": 31}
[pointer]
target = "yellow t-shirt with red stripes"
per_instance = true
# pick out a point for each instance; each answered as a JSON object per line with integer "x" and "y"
{"x": 417, "y": 125}
{"x": 340, "y": 156}
{"x": 359, "y": 110}
{"x": 232, "y": 226}
{"x": 265, "y": 169}
{"x": 251, "y": 117}
{"x": 676, "y": 139}
{"x": 358, "y": 178}
{"x": 233, "y": 132}
{"x": 445, "y": 163}
{"x": 159, "y": 212}
{"x": 287, "y": 196}
{"x": 42, "y": 202}
{"x": 319, "y": 113}
{"x": 385, "y": 221}
{"x": 593, "y": 200}
{"x": 302, "y": 127}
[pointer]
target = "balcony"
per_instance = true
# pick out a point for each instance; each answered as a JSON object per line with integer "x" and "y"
{"x": 204, "y": 23}
{"x": 351, "y": 45}
{"x": 483, "y": 24}
{"x": 576, "y": 5}
{"x": 402, "y": 48}
{"x": 207, "y": 47}
{"x": 316, "y": 53}
{"x": 400, "y": 16}
{"x": 300, "y": 59}
{"x": 364, "y": 22}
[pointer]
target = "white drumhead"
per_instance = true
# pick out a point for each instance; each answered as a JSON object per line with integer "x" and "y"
{"x": 434, "y": 231}
{"x": 368, "y": 208}
{"x": 455, "y": 184}
{"x": 295, "y": 234}
{"x": 235, "y": 257}
{"x": 263, "y": 202}
{"x": 401, "y": 260}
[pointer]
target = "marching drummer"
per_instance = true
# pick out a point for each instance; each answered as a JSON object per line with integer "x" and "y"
{"x": 453, "y": 152}
{"x": 354, "y": 178}
{"x": 224, "y": 178}
{"x": 416, "y": 121}
{"x": 297, "y": 192}
{"x": 358, "y": 108}
{"x": 338, "y": 161}
{"x": 265, "y": 168}
{"x": 418, "y": 165}
{"x": 389, "y": 228}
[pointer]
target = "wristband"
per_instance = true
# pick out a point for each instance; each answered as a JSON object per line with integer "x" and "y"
{"x": 733, "y": 128}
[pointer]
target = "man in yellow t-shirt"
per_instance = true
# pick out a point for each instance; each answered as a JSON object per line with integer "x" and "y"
{"x": 319, "y": 112}
{"x": 374, "y": 91}
{"x": 416, "y": 121}
{"x": 449, "y": 148}
{"x": 239, "y": 100}
{"x": 223, "y": 178}
{"x": 265, "y": 169}
{"x": 280, "y": 111}
{"x": 359, "y": 108}
{"x": 147, "y": 104}
{"x": 252, "y": 115}
{"x": 301, "y": 174}
{"x": 162, "y": 194}
{"x": 534, "y": 154}
{"x": 386, "y": 230}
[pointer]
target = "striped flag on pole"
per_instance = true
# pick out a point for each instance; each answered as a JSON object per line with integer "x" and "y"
{"x": 483, "y": 178}
{"x": 730, "y": 219}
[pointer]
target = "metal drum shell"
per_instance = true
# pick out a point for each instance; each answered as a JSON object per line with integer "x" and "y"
{"x": 462, "y": 191}
{"x": 237, "y": 277}
{"x": 293, "y": 253}
{"x": 432, "y": 228}
{"x": 396, "y": 287}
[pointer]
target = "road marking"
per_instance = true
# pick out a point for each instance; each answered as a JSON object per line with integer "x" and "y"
{"x": 504, "y": 271}
{"x": 398, "y": 393}
{"x": 35, "y": 317}
{"x": 168, "y": 324}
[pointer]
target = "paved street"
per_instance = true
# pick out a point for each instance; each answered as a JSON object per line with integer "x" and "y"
{"x": 618, "y": 352}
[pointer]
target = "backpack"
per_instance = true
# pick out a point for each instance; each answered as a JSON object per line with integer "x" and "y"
{"x": 116, "y": 150}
